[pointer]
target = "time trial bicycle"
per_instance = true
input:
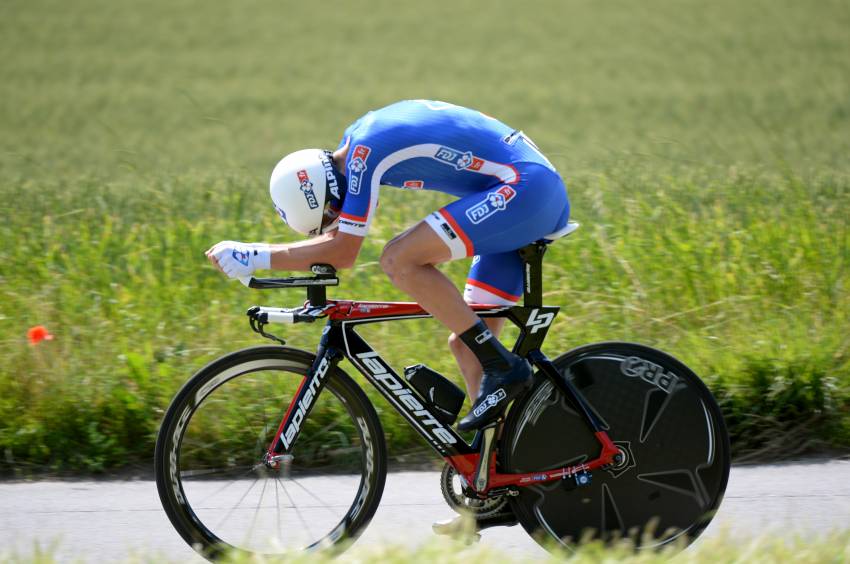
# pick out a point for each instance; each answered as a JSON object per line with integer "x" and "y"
{"x": 272, "y": 448}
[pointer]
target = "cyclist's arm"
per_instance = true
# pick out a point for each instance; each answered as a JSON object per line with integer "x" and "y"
{"x": 340, "y": 250}
{"x": 340, "y": 247}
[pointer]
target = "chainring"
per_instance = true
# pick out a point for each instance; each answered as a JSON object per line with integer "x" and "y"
{"x": 451, "y": 485}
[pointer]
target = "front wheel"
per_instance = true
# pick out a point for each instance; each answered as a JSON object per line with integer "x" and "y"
{"x": 668, "y": 427}
{"x": 213, "y": 481}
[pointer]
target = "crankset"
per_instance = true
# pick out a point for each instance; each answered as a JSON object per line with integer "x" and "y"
{"x": 452, "y": 486}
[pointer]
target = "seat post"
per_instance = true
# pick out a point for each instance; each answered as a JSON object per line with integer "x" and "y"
{"x": 532, "y": 256}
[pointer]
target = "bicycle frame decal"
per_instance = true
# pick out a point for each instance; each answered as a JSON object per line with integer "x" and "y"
{"x": 635, "y": 367}
{"x": 305, "y": 400}
{"x": 397, "y": 391}
{"x": 537, "y": 322}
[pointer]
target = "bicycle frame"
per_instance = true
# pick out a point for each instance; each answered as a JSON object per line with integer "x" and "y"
{"x": 475, "y": 462}
{"x": 339, "y": 339}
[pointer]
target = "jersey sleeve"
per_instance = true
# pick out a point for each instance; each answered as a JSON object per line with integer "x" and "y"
{"x": 361, "y": 199}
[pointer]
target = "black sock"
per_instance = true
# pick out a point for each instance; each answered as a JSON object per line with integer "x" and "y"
{"x": 490, "y": 352}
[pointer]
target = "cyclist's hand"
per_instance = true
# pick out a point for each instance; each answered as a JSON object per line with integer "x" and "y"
{"x": 240, "y": 260}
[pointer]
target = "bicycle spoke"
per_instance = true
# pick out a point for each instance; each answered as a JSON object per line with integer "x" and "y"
{"x": 297, "y": 512}
{"x": 206, "y": 472}
{"x": 277, "y": 503}
{"x": 335, "y": 478}
{"x": 311, "y": 494}
{"x": 222, "y": 488}
{"x": 257, "y": 511}
{"x": 238, "y": 503}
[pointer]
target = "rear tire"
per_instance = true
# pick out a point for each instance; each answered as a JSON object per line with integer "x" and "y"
{"x": 664, "y": 419}
{"x": 209, "y": 467}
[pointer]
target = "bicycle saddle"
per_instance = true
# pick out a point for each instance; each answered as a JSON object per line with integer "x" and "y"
{"x": 562, "y": 232}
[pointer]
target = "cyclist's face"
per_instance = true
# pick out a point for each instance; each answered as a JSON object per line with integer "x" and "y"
{"x": 330, "y": 220}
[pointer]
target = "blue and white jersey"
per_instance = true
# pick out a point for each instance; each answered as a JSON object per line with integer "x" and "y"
{"x": 428, "y": 145}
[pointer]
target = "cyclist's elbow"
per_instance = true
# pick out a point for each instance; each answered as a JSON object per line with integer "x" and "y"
{"x": 344, "y": 250}
{"x": 343, "y": 262}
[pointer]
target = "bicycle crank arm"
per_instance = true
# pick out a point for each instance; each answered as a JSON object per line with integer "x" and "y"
{"x": 483, "y": 469}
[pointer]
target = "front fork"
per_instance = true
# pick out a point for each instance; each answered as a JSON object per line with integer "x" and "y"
{"x": 302, "y": 403}
{"x": 485, "y": 477}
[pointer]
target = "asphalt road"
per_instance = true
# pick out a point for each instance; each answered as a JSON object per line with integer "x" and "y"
{"x": 111, "y": 520}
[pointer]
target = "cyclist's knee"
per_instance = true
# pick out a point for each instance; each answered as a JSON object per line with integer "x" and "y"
{"x": 392, "y": 259}
{"x": 401, "y": 256}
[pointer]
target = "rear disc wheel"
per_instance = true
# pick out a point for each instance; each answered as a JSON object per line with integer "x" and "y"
{"x": 674, "y": 446}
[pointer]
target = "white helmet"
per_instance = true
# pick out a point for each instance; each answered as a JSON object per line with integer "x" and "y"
{"x": 307, "y": 191}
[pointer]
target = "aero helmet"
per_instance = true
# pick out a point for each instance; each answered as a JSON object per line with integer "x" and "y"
{"x": 307, "y": 191}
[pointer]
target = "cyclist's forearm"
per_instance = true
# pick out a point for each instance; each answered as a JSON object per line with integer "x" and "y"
{"x": 329, "y": 249}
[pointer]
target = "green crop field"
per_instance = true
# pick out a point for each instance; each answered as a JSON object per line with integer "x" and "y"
{"x": 705, "y": 146}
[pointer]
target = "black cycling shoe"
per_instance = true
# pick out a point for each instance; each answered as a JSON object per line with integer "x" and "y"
{"x": 498, "y": 389}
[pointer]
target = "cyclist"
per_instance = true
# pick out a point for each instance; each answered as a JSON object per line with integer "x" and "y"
{"x": 509, "y": 195}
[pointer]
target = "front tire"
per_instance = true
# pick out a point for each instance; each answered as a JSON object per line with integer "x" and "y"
{"x": 214, "y": 485}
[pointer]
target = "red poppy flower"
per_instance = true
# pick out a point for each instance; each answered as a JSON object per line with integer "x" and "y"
{"x": 37, "y": 334}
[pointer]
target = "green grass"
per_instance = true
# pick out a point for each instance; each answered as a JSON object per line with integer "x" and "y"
{"x": 765, "y": 549}
{"x": 704, "y": 145}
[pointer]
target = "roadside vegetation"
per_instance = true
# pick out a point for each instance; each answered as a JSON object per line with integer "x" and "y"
{"x": 765, "y": 549}
{"x": 704, "y": 145}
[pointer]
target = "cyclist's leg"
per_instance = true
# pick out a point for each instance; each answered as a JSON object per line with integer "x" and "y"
{"x": 409, "y": 260}
{"x": 470, "y": 367}
{"x": 493, "y": 279}
{"x": 501, "y": 219}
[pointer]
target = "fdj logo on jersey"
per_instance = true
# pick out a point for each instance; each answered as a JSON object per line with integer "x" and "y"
{"x": 494, "y": 202}
{"x": 461, "y": 161}
{"x": 307, "y": 189}
{"x": 357, "y": 166}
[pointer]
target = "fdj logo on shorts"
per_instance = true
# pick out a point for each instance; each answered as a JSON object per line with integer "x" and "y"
{"x": 461, "y": 161}
{"x": 494, "y": 202}
{"x": 307, "y": 189}
{"x": 357, "y": 166}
